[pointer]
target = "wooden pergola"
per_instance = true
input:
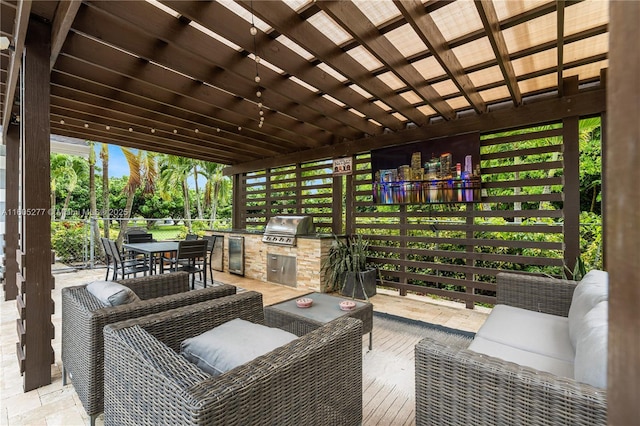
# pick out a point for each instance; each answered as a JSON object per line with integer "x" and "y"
{"x": 314, "y": 80}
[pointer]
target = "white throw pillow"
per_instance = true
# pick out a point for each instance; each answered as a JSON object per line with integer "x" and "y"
{"x": 232, "y": 344}
{"x": 592, "y": 289}
{"x": 110, "y": 293}
{"x": 590, "y": 365}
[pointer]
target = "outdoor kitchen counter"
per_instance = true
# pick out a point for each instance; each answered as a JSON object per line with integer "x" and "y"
{"x": 306, "y": 257}
{"x": 260, "y": 233}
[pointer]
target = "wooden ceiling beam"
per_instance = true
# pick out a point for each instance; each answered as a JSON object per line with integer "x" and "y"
{"x": 161, "y": 103}
{"x": 218, "y": 18}
{"x": 126, "y": 118}
{"x": 20, "y": 31}
{"x": 73, "y": 115}
{"x": 62, "y": 21}
{"x": 144, "y": 144}
{"x": 353, "y": 20}
{"x": 491, "y": 24}
{"x": 95, "y": 24}
{"x": 553, "y": 109}
{"x": 286, "y": 21}
{"x": 140, "y": 25}
{"x": 155, "y": 77}
{"x": 426, "y": 28}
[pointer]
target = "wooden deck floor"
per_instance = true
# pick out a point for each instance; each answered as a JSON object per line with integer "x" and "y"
{"x": 388, "y": 396}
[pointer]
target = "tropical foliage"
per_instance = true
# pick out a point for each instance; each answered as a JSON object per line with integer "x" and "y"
{"x": 156, "y": 187}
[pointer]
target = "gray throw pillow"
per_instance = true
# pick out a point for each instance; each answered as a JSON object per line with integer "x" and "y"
{"x": 110, "y": 293}
{"x": 232, "y": 344}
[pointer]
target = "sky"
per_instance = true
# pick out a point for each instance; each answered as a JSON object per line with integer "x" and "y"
{"x": 118, "y": 166}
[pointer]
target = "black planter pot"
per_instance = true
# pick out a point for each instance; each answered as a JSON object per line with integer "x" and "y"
{"x": 353, "y": 283}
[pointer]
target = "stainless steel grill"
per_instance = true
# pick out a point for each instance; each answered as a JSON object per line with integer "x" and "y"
{"x": 283, "y": 230}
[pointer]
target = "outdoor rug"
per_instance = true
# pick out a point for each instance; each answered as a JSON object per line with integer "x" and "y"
{"x": 389, "y": 368}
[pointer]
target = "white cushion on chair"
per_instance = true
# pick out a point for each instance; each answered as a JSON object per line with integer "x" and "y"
{"x": 592, "y": 289}
{"x": 591, "y": 347}
{"x": 559, "y": 367}
{"x": 111, "y": 293}
{"x": 231, "y": 344}
{"x": 530, "y": 331}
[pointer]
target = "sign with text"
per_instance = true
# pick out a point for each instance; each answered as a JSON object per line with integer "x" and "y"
{"x": 342, "y": 166}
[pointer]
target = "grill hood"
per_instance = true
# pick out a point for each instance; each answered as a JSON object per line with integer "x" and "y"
{"x": 284, "y": 229}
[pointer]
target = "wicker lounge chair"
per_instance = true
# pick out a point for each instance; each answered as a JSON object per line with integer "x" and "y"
{"x": 313, "y": 380}
{"x": 83, "y": 318}
{"x": 457, "y": 386}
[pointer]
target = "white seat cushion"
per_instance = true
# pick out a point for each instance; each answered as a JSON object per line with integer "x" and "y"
{"x": 559, "y": 367}
{"x": 232, "y": 344}
{"x": 592, "y": 289}
{"x": 535, "y": 332}
{"x": 591, "y": 347}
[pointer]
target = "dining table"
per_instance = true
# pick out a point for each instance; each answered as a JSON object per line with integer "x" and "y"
{"x": 151, "y": 249}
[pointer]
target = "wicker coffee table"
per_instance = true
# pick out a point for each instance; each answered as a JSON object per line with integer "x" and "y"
{"x": 299, "y": 321}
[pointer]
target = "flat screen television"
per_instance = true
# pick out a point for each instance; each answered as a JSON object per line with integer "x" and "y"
{"x": 445, "y": 170}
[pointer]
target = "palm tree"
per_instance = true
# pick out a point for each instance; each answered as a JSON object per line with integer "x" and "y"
{"x": 104, "y": 156}
{"x": 195, "y": 177}
{"x": 142, "y": 174}
{"x": 92, "y": 197}
{"x": 217, "y": 188}
{"x": 174, "y": 172}
{"x": 66, "y": 172}
{"x": 133, "y": 183}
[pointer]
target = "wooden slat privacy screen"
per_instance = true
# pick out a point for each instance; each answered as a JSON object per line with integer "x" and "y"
{"x": 447, "y": 250}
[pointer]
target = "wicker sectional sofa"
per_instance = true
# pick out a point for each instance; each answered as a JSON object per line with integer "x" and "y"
{"x": 524, "y": 365}
{"x": 84, "y": 317}
{"x": 315, "y": 379}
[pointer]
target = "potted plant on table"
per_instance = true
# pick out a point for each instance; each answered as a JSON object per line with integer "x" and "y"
{"x": 345, "y": 268}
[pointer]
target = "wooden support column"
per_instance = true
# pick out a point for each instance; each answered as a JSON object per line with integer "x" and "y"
{"x": 337, "y": 208}
{"x": 11, "y": 208}
{"x": 571, "y": 159}
{"x": 350, "y": 207}
{"x": 239, "y": 203}
{"x": 36, "y": 348}
{"x": 603, "y": 158}
{"x": 622, "y": 174}
{"x": 300, "y": 201}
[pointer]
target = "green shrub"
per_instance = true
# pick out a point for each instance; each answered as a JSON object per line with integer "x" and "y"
{"x": 68, "y": 240}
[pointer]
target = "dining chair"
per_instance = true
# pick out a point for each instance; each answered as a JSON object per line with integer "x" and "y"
{"x": 211, "y": 242}
{"x": 108, "y": 256}
{"x": 140, "y": 237}
{"x": 191, "y": 237}
{"x": 192, "y": 258}
{"x": 125, "y": 267}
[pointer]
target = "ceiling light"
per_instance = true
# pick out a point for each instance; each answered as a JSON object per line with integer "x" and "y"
{"x": 254, "y": 31}
{"x": 5, "y": 43}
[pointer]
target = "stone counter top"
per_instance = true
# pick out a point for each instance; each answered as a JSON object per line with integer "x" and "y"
{"x": 259, "y": 233}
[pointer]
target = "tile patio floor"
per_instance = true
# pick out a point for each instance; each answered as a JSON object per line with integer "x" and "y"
{"x": 55, "y": 404}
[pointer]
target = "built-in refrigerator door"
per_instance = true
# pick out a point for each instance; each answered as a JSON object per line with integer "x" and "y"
{"x": 236, "y": 255}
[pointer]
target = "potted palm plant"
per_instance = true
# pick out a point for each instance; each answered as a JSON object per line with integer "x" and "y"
{"x": 345, "y": 268}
